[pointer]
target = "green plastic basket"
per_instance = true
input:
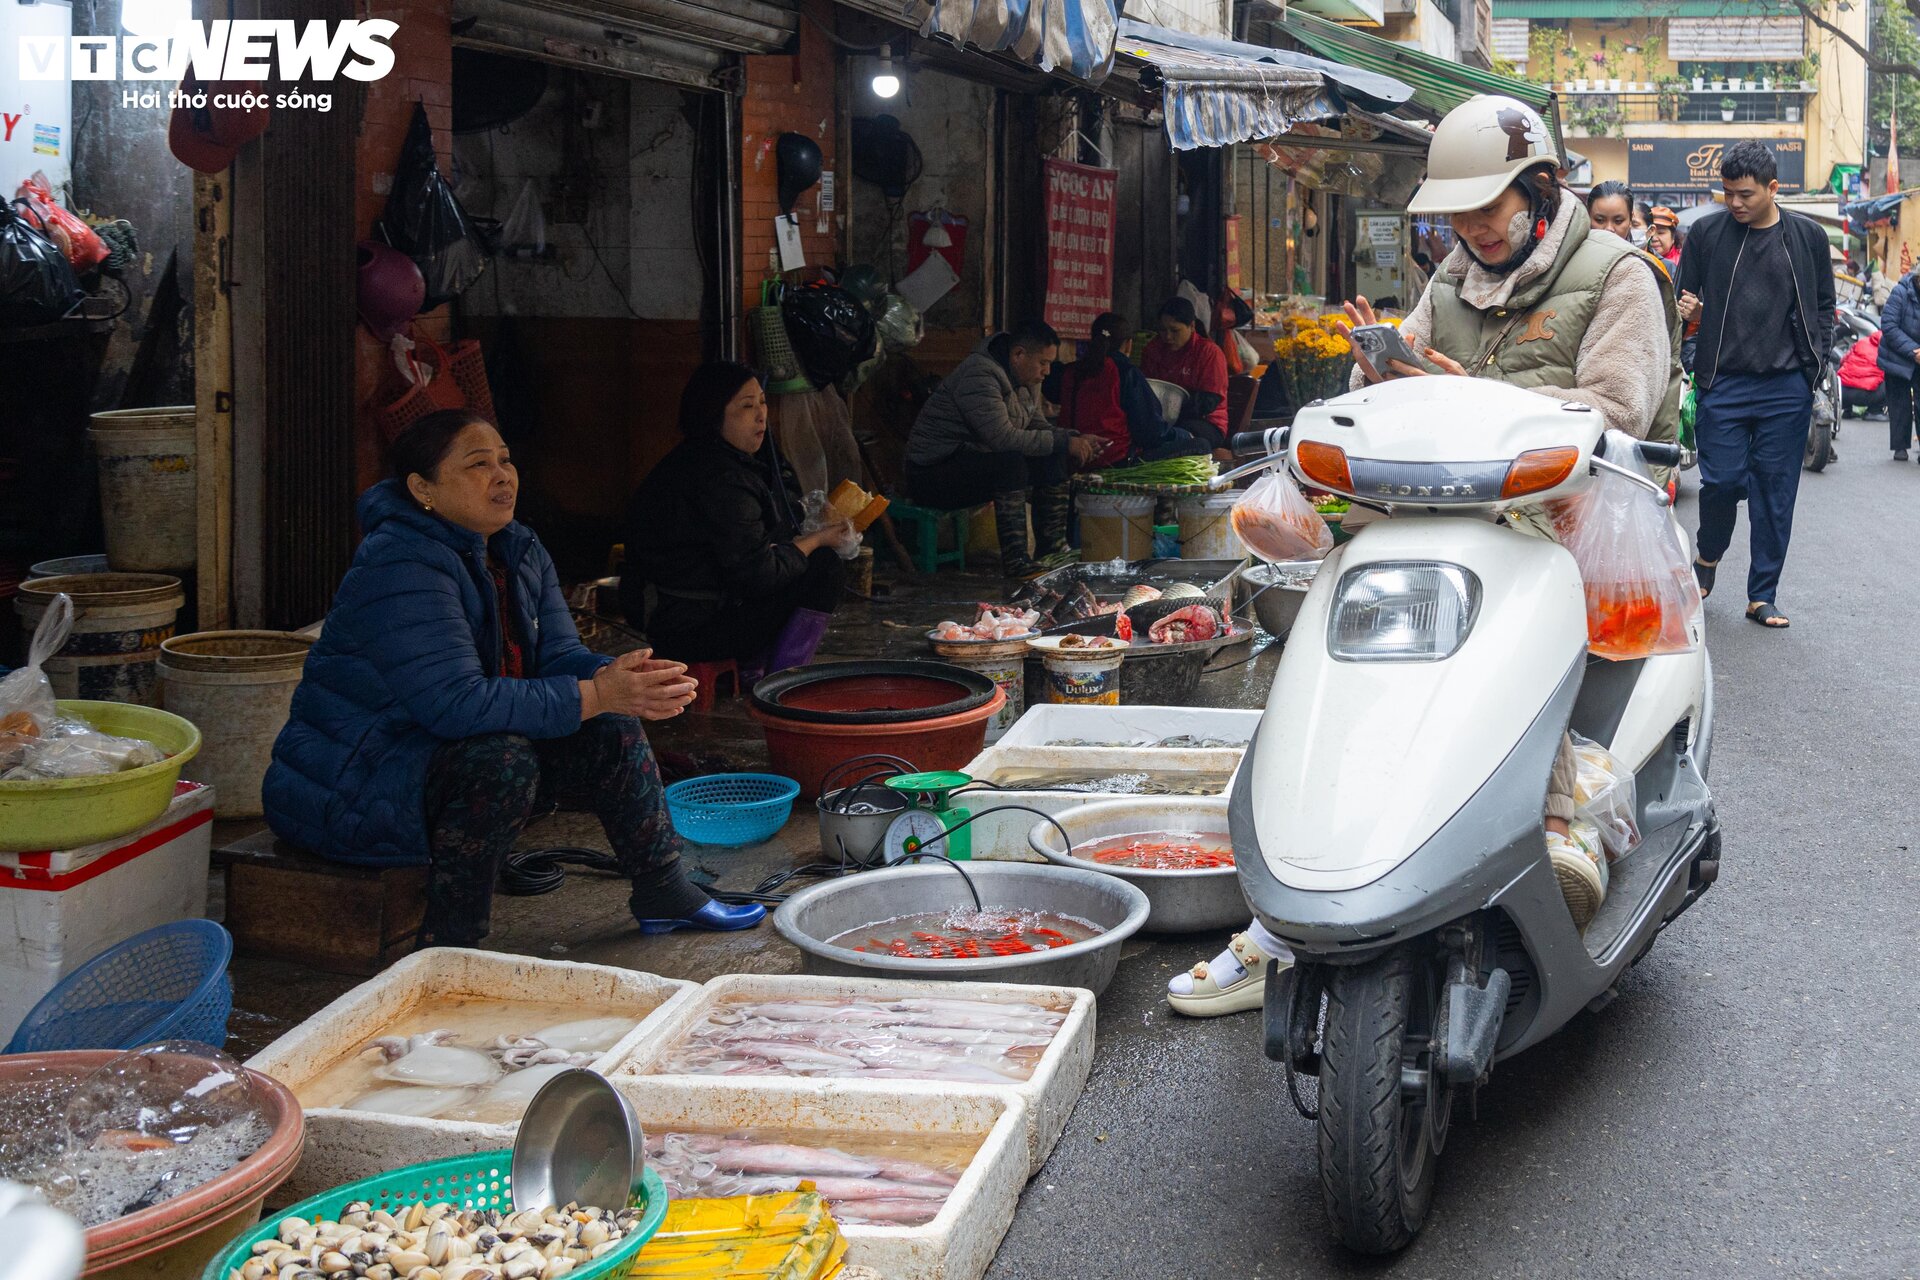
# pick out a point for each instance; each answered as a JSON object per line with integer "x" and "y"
{"x": 481, "y": 1181}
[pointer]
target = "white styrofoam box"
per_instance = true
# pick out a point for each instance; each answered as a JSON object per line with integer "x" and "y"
{"x": 959, "y": 1242}
{"x": 60, "y": 908}
{"x": 1050, "y": 1093}
{"x": 1046, "y": 724}
{"x": 1002, "y": 836}
{"x": 345, "y": 1145}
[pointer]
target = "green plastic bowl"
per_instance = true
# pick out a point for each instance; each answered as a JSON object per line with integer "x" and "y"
{"x": 64, "y": 813}
{"x": 483, "y": 1181}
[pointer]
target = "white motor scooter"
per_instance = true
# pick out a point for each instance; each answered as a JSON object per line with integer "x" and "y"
{"x": 1388, "y": 819}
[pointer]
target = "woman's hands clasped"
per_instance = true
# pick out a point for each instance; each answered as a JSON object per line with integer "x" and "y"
{"x": 638, "y": 684}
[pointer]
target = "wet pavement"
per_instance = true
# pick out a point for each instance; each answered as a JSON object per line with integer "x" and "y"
{"x": 1744, "y": 1109}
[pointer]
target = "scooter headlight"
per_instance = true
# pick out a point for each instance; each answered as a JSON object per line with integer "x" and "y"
{"x": 1408, "y": 611}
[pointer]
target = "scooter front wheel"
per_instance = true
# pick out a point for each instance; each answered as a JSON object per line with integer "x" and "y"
{"x": 1384, "y": 1110}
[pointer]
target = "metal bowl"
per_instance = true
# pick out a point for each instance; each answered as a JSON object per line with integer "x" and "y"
{"x": 580, "y": 1142}
{"x": 1178, "y": 901}
{"x": 857, "y": 834}
{"x": 1172, "y": 398}
{"x": 827, "y": 910}
{"x": 1279, "y": 591}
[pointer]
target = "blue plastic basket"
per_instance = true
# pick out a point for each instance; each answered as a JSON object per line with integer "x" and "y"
{"x": 169, "y": 983}
{"x": 731, "y": 809}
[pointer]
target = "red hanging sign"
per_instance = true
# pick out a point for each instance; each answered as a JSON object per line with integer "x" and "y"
{"x": 1080, "y": 208}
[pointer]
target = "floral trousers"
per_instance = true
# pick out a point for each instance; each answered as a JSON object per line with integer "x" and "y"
{"x": 481, "y": 792}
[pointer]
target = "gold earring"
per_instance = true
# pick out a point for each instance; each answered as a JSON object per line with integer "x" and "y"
{"x": 426, "y": 504}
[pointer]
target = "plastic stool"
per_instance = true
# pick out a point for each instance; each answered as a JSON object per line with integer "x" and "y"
{"x": 924, "y": 541}
{"x": 709, "y": 675}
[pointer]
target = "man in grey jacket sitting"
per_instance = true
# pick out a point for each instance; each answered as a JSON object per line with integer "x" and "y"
{"x": 984, "y": 436}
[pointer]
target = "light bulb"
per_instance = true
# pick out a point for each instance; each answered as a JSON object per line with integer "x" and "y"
{"x": 885, "y": 82}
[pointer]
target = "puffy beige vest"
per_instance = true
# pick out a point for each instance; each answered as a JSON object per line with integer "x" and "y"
{"x": 1534, "y": 341}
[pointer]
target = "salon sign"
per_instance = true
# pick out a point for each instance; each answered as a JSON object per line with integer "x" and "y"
{"x": 1693, "y": 164}
{"x": 1080, "y": 209}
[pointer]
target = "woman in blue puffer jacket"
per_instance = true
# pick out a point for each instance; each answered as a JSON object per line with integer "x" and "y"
{"x": 449, "y": 690}
{"x": 1899, "y": 345}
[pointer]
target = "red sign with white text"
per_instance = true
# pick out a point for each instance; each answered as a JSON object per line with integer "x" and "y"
{"x": 1080, "y": 208}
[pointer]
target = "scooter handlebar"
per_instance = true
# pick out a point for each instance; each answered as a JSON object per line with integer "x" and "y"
{"x": 1252, "y": 443}
{"x": 1658, "y": 453}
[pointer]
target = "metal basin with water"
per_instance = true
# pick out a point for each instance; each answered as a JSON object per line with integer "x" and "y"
{"x": 827, "y": 910}
{"x": 1179, "y": 901}
{"x": 1280, "y": 589}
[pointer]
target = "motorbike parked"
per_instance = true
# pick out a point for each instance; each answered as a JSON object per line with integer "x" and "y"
{"x": 1852, "y": 322}
{"x": 1387, "y": 821}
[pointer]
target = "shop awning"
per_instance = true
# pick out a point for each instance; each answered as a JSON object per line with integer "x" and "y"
{"x": 1438, "y": 85}
{"x": 1071, "y": 36}
{"x": 1643, "y": 9}
{"x": 1214, "y": 93}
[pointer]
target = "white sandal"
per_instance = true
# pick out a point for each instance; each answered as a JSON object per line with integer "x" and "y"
{"x": 1206, "y": 996}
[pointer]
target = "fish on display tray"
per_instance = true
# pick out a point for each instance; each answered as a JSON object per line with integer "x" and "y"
{"x": 868, "y": 1179}
{"x": 910, "y": 1038}
{"x": 1194, "y": 622}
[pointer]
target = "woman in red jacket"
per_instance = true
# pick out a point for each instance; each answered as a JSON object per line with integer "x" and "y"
{"x": 1183, "y": 356}
{"x": 1863, "y": 383}
{"x": 1102, "y": 395}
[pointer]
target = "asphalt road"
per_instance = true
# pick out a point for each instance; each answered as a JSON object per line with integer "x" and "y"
{"x": 1745, "y": 1109}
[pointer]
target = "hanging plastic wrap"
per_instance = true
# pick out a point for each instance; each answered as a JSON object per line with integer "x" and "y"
{"x": 425, "y": 220}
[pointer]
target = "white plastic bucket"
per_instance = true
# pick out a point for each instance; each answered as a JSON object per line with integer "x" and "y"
{"x": 147, "y": 501}
{"x": 120, "y": 621}
{"x": 236, "y": 686}
{"x": 1007, "y": 668}
{"x": 1083, "y": 677}
{"x": 1115, "y": 526}
{"x": 1206, "y": 527}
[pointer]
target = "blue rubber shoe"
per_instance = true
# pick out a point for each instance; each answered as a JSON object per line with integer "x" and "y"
{"x": 713, "y": 917}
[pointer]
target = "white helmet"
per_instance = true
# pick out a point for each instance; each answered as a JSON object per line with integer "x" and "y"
{"x": 1478, "y": 150}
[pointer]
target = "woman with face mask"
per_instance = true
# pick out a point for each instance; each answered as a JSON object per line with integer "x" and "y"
{"x": 1532, "y": 294}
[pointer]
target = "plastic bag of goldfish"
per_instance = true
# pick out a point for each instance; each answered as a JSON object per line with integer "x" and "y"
{"x": 1276, "y": 522}
{"x": 1642, "y": 599}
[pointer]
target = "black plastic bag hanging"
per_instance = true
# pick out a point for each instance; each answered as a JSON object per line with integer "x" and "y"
{"x": 37, "y": 284}
{"x": 829, "y": 330}
{"x": 424, "y": 220}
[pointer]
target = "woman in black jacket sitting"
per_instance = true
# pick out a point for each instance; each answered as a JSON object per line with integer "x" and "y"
{"x": 715, "y": 532}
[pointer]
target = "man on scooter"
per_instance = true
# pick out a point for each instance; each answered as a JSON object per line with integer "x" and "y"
{"x": 1530, "y": 295}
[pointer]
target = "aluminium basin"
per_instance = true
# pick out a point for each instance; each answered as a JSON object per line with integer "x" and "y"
{"x": 1179, "y": 901}
{"x": 829, "y": 909}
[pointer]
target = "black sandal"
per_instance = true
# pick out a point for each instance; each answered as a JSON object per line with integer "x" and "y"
{"x": 1767, "y": 616}
{"x": 1703, "y": 574}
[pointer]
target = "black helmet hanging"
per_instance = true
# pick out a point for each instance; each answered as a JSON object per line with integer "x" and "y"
{"x": 797, "y": 158}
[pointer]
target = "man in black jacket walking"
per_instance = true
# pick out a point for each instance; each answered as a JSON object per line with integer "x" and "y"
{"x": 1761, "y": 280}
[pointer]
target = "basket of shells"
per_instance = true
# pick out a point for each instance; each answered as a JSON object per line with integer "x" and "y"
{"x": 451, "y": 1219}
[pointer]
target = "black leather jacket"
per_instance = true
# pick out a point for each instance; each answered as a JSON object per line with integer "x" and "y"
{"x": 1709, "y": 270}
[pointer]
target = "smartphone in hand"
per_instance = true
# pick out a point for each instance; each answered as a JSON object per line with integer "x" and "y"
{"x": 1381, "y": 343}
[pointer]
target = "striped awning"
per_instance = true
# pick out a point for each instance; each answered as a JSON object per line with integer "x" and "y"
{"x": 1071, "y": 36}
{"x": 1438, "y": 85}
{"x": 1214, "y": 93}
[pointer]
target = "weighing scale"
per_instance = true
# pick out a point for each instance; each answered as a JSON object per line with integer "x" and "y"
{"x": 930, "y": 815}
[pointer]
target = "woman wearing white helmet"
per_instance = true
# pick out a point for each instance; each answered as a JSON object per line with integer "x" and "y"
{"x": 1530, "y": 295}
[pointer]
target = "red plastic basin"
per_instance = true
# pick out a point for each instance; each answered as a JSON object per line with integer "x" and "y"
{"x": 816, "y": 719}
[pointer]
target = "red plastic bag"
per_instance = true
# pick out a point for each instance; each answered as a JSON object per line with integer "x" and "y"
{"x": 1277, "y": 522}
{"x": 84, "y": 249}
{"x": 1641, "y": 594}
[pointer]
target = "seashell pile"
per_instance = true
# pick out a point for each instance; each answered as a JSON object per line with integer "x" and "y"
{"x": 438, "y": 1242}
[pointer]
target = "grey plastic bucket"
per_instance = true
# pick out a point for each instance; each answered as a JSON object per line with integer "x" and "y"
{"x": 236, "y": 686}
{"x": 147, "y": 500}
